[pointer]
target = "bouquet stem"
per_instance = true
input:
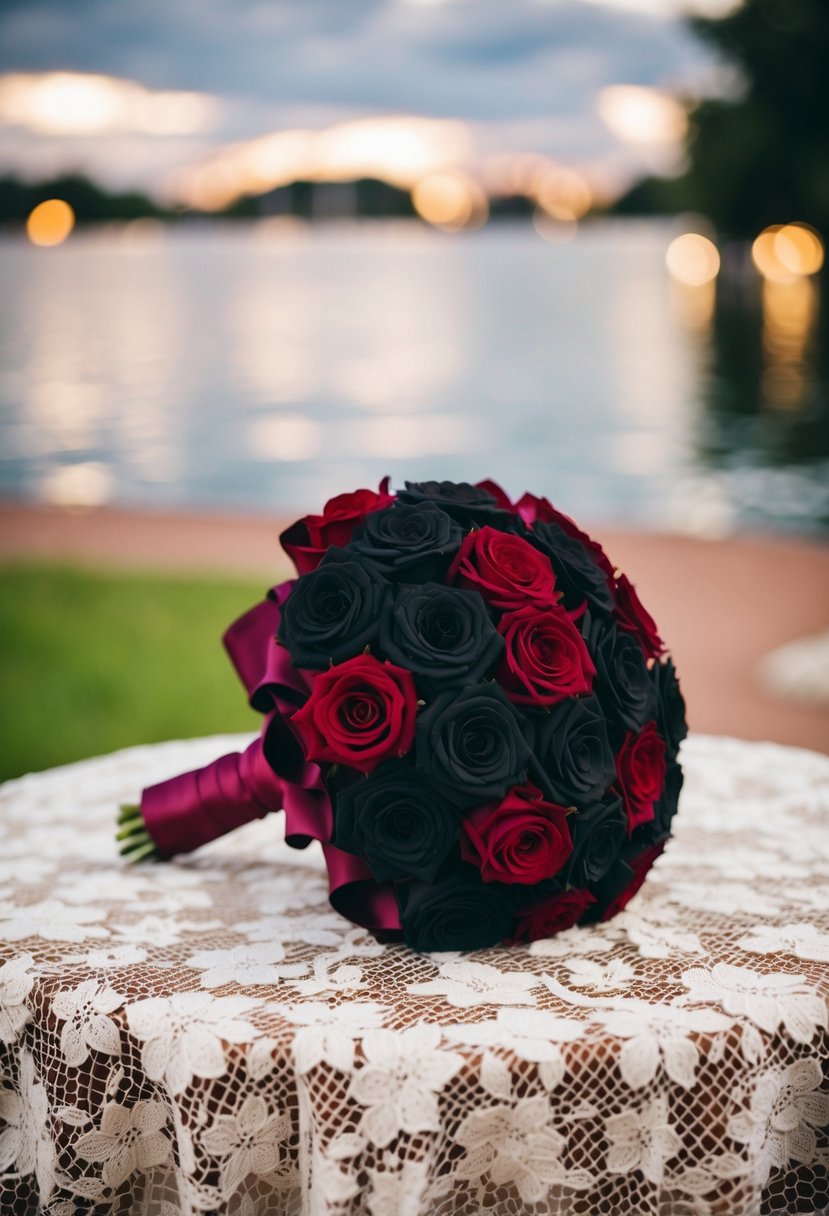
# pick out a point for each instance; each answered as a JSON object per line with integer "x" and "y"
{"x": 135, "y": 842}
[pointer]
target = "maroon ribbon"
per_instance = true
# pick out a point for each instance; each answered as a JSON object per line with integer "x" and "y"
{"x": 271, "y": 774}
{"x": 187, "y": 811}
{"x": 354, "y": 892}
{"x": 247, "y": 642}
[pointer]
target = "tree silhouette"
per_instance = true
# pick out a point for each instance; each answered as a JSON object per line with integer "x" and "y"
{"x": 761, "y": 157}
{"x": 764, "y": 158}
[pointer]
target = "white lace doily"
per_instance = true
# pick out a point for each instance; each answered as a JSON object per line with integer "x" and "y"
{"x": 209, "y": 1036}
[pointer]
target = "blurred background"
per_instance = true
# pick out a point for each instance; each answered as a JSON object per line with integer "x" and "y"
{"x": 255, "y": 254}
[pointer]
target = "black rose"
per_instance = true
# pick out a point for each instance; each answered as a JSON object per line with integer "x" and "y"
{"x": 623, "y": 683}
{"x": 611, "y": 886}
{"x": 440, "y": 633}
{"x": 670, "y": 706}
{"x": 333, "y": 612}
{"x": 410, "y": 542}
{"x": 598, "y": 833}
{"x": 577, "y": 575}
{"x": 462, "y": 501}
{"x": 397, "y": 823}
{"x": 457, "y": 913}
{"x": 622, "y": 881}
{"x": 573, "y": 749}
{"x": 524, "y": 897}
{"x": 659, "y": 828}
{"x": 469, "y": 744}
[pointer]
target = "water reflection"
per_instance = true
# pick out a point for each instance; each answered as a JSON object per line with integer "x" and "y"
{"x": 264, "y": 370}
{"x": 270, "y": 322}
{"x": 764, "y": 431}
{"x": 789, "y": 315}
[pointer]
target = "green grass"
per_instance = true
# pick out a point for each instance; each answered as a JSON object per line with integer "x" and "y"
{"x": 92, "y": 661}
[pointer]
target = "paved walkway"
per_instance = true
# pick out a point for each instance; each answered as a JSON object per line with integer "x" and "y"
{"x": 722, "y": 605}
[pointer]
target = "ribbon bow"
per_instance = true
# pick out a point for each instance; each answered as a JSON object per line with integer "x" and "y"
{"x": 271, "y": 774}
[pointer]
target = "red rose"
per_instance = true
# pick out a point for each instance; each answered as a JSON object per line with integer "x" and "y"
{"x": 631, "y": 614}
{"x": 501, "y": 497}
{"x": 506, "y": 570}
{"x": 546, "y": 658}
{"x": 641, "y": 767}
{"x": 522, "y": 839}
{"x": 553, "y": 916}
{"x": 640, "y": 867}
{"x": 306, "y": 541}
{"x": 359, "y": 713}
{"x": 531, "y": 508}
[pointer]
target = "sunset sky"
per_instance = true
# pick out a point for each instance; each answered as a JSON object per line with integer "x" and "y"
{"x": 148, "y": 92}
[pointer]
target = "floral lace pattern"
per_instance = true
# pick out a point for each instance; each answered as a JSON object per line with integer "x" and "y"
{"x": 207, "y": 1036}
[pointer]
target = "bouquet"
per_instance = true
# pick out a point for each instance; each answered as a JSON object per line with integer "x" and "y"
{"x": 465, "y": 703}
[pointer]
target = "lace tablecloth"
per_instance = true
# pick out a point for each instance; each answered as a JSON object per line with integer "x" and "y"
{"x": 210, "y": 1036}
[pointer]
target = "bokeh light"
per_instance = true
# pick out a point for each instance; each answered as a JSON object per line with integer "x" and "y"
{"x": 785, "y": 252}
{"x": 89, "y": 484}
{"x": 564, "y": 194}
{"x": 692, "y": 259}
{"x": 642, "y": 116}
{"x": 764, "y": 256}
{"x": 799, "y": 249}
{"x": 450, "y": 201}
{"x": 50, "y": 222}
{"x": 396, "y": 148}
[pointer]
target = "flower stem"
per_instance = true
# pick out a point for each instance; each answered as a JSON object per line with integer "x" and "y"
{"x": 136, "y": 844}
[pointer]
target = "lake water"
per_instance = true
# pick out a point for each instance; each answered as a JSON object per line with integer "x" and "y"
{"x": 265, "y": 367}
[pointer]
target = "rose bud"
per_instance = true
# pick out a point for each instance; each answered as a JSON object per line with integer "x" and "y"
{"x": 521, "y": 839}
{"x": 640, "y": 766}
{"x": 504, "y": 568}
{"x": 441, "y": 634}
{"x": 307, "y": 540}
{"x": 333, "y": 612}
{"x": 397, "y": 822}
{"x": 546, "y": 658}
{"x": 359, "y": 713}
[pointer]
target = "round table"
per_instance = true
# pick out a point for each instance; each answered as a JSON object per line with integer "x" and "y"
{"x": 208, "y": 1036}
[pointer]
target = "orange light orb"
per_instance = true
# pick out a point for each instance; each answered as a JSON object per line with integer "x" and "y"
{"x": 50, "y": 222}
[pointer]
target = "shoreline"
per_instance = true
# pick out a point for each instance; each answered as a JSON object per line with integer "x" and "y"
{"x": 722, "y": 605}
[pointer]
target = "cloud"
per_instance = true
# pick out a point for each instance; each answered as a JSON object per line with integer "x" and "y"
{"x": 524, "y": 69}
{"x": 74, "y": 103}
{"x": 481, "y": 58}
